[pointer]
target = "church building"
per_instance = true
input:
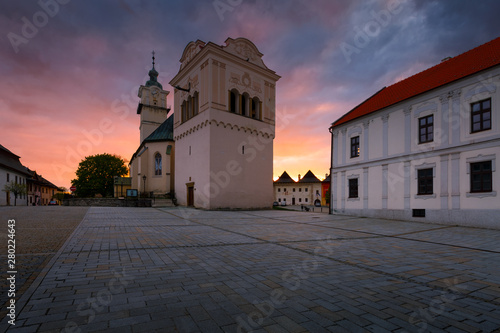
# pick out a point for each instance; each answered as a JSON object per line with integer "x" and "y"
{"x": 222, "y": 129}
{"x": 152, "y": 165}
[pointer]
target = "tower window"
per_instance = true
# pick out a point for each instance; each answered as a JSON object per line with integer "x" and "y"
{"x": 244, "y": 104}
{"x": 233, "y": 97}
{"x": 255, "y": 108}
{"x": 183, "y": 112}
{"x": 157, "y": 164}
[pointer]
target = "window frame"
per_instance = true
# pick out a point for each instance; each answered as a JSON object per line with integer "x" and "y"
{"x": 428, "y": 133}
{"x": 355, "y": 149}
{"x": 158, "y": 166}
{"x": 353, "y": 190}
{"x": 424, "y": 181}
{"x": 481, "y": 112}
{"x": 481, "y": 173}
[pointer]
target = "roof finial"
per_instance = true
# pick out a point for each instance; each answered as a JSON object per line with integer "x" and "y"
{"x": 153, "y": 58}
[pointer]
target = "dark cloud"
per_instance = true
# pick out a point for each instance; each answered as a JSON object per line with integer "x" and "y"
{"x": 91, "y": 54}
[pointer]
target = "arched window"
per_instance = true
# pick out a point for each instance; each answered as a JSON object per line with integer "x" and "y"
{"x": 190, "y": 107}
{"x": 255, "y": 108}
{"x": 244, "y": 104}
{"x": 157, "y": 164}
{"x": 196, "y": 103}
{"x": 183, "y": 112}
{"x": 233, "y": 101}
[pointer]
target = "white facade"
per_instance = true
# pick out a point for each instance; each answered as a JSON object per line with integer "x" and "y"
{"x": 7, "y": 198}
{"x": 391, "y": 155}
{"x": 297, "y": 193}
{"x": 11, "y": 171}
{"x": 224, "y": 124}
{"x": 305, "y": 191}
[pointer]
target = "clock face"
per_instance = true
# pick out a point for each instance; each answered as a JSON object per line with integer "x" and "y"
{"x": 154, "y": 92}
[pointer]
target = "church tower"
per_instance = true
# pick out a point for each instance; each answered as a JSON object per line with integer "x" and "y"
{"x": 224, "y": 126}
{"x": 153, "y": 104}
{"x": 152, "y": 165}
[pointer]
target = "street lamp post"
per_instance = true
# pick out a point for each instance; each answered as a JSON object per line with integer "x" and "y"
{"x": 144, "y": 179}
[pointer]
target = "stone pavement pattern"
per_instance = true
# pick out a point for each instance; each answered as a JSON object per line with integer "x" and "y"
{"x": 40, "y": 232}
{"x": 186, "y": 270}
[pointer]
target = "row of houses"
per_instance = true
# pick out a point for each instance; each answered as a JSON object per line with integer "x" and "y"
{"x": 39, "y": 191}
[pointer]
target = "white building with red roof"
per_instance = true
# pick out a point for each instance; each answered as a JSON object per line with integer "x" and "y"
{"x": 424, "y": 148}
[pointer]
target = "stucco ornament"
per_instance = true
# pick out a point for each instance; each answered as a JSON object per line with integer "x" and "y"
{"x": 245, "y": 51}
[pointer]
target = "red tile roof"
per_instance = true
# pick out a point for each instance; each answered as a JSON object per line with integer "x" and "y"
{"x": 461, "y": 66}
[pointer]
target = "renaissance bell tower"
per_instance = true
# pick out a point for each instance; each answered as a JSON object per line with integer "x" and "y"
{"x": 224, "y": 125}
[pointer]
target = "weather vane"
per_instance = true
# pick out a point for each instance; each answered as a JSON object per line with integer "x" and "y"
{"x": 153, "y": 58}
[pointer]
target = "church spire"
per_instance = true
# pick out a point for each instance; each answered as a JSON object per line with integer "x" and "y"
{"x": 153, "y": 76}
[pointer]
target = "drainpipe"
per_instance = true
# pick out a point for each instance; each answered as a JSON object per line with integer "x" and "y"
{"x": 330, "y": 206}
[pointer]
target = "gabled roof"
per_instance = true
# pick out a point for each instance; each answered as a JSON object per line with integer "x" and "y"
{"x": 37, "y": 178}
{"x": 309, "y": 177}
{"x": 461, "y": 66}
{"x": 285, "y": 178}
{"x": 10, "y": 161}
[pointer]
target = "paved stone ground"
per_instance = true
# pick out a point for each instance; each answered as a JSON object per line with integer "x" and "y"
{"x": 185, "y": 270}
{"x": 39, "y": 234}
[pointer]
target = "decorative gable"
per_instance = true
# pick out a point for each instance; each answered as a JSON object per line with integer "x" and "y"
{"x": 190, "y": 51}
{"x": 244, "y": 49}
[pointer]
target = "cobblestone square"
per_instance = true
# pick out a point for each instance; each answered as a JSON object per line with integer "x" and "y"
{"x": 188, "y": 270}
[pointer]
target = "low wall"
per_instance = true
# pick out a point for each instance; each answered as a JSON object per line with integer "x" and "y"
{"x": 107, "y": 202}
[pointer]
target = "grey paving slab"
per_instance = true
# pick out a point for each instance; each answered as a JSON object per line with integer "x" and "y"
{"x": 186, "y": 270}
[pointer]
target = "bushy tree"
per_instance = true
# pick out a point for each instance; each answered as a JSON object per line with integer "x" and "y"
{"x": 95, "y": 173}
{"x": 16, "y": 189}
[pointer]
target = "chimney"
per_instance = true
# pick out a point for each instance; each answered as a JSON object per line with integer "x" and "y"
{"x": 299, "y": 176}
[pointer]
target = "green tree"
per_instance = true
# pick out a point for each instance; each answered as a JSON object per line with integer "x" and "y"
{"x": 16, "y": 189}
{"x": 95, "y": 175}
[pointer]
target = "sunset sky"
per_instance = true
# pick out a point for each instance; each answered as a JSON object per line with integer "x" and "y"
{"x": 70, "y": 70}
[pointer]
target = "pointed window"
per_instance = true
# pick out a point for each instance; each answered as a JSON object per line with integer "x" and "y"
{"x": 158, "y": 164}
